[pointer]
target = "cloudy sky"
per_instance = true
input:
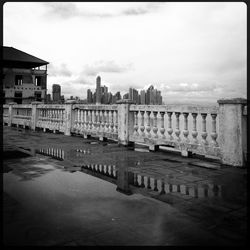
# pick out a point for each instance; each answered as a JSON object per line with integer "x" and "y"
{"x": 189, "y": 51}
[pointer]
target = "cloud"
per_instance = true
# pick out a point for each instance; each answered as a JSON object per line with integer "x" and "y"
{"x": 61, "y": 70}
{"x": 191, "y": 87}
{"x": 106, "y": 66}
{"x": 70, "y": 10}
{"x": 142, "y": 9}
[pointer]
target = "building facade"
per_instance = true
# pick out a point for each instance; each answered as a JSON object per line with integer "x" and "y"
{"x": 24, "y": 77}
{"x": 56, "y": 93}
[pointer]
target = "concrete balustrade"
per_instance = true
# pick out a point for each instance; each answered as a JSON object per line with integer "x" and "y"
{"x": 214, "y": 131}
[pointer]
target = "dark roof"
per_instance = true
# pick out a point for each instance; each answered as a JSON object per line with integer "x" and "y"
{"x": 14, "y": 58}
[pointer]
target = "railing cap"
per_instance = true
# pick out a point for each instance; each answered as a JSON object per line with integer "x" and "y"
{"x": 233, "y": 101}
{"x": 70, "y": 102}
{"x": 33, "y": 103}
{"x": 125, "y": 101}
{"x": 12, "y": 103}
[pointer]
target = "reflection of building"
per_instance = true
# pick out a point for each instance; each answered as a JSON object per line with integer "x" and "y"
{"x": 56, "y": 93}
{"x": 23, "y": 79}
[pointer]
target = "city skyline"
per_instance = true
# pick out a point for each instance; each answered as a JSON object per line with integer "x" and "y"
{"x": 197, "y": 52}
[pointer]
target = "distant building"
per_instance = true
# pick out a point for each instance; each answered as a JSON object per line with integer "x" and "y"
{"x": 89, "y": 96}
{"x": 98, "y": 90}
{"x": 56, "y": 93}
{"x": 23, "y": 79}
{"x": 126, "y": 96}
{"x": 142, "y": 97}
{"x": 153, "y": 96}
{"x": 48, "y": 98}
{"x": 133, "y": 95}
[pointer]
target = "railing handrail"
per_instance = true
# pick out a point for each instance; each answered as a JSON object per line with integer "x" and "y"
{"x": 180, "y": 108}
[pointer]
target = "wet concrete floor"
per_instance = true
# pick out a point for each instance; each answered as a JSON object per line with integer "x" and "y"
{"x": 66, "y": 190}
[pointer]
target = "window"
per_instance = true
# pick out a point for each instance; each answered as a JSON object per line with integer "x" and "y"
{"x": 38, "y": 96}
{"x": 18, "y": 80}
{"x": 18, "y": 97}
{"x": 38, "y": 81}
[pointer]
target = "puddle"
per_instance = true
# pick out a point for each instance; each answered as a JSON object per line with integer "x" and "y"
{"x": 14, "y": 154}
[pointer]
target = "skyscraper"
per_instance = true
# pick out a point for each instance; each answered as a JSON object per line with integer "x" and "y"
{"x": 56, "y": 93}
{"x": 133, "y": 95}
{"x": 89, "y": 96}
{"x": 98, "y": 90}
{"x": 142, "y": 97}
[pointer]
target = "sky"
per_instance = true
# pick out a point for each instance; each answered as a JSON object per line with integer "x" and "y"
{"x": 191, "y": 51}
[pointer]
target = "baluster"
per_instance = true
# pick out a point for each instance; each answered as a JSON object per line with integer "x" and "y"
{"x": 162, "y": 187}
{"x": 90, "y": 120}
{"x": 142, "y": 128}
{"x": 111, "y": 171}
{"x": 204, "y": 130}
{"x": 87, "y": 120}
{"x": 148, "y": 124}
{"x": 170, "y": 130}
{"x": 177, "y": 130}
{"x": 162, "y": 130}
{"x": 142, "y": 181}
{"x": 194, "y": 132}
{"x": 155, "y": 129}
{"x": 94, "y": 120}
{"x": 170, "y": 187}
{"x": 213, "y": 133}
{"x": 136, "y": 123}
{"x": 98, "y": 123}
{"x": 107, "y": 121}
{"x": 155, "y": 185}
{"x": 116, "y": 121}
{"x": 185, "y": 131}
{"x": 112, "y": 122}
{"x": 136, "y": 180}
{"x": 103, "y": 121}
{"x": 148, "y": 183}
{"x": 82, "y": 121}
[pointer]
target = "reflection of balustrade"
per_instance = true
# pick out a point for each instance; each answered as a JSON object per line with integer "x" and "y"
{"x": 162, "y": 187}
{"x": 56, "y": 153}
{"x": 102, "y": 169}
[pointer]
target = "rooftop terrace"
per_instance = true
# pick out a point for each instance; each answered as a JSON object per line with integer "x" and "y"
{"x": 68, "y": 190}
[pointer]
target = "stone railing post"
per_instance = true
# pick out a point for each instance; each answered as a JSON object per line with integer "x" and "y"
{"x": 125, "y": 121}
{"x": 233, "y": 131}
{"x": 34, "y": 114}
{"x": 68, "y": 117}
{"x": 11, "y": 113}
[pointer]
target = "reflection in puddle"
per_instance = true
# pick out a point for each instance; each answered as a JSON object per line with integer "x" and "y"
{"x": 56, "y": 153}
{"x": 134, "y": 180}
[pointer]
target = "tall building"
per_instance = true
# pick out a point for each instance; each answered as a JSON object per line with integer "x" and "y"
{"x": 142, "y": 97}
{"x": 126, "y": 96}
{"x": 56, "y": 93}
{"x": 89, "y": 96}
{"x": 153, "y": 96}
{"x": 23, "y": 79}
{"x": 98, "y": 90}
{"x": 133, "y": 95}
